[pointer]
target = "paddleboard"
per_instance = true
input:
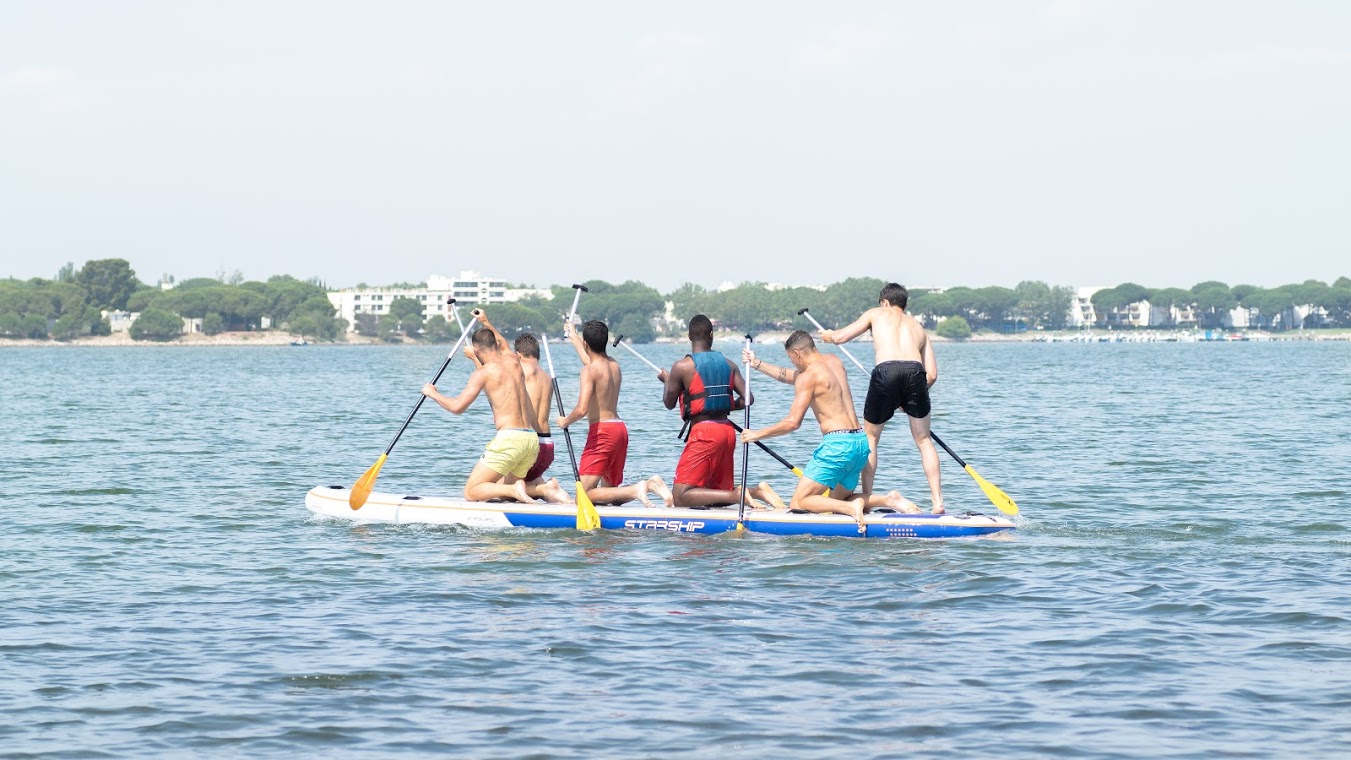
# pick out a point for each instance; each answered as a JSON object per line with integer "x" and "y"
{"x": 331, "y": 501}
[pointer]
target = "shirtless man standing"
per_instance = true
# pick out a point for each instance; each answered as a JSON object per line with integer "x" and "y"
{"x": 509, "y": 455}
{"x": 703, "y": 383}
{"x": 820, "y": 382}
{"x": 905, "y": 371}
{"x": 607, "y": 439}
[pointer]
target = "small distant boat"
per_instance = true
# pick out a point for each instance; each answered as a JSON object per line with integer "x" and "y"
{"x": 301, "y": 342}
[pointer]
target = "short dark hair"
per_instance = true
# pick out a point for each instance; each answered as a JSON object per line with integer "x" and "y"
{"x": 701, "y": 329}
{"x": 895, "y": 294}
{"x": 596, "y": 335}
{"x": 484, "y": 338}
{"x": 527, "y": 345}
{"x": 799, "y": 339}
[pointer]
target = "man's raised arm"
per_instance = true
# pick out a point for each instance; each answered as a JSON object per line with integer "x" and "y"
{"x": 785, "y": 375}
{"x": 850, "y": 331}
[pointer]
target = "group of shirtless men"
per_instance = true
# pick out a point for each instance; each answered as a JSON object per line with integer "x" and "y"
{"x": 708, "y": 387}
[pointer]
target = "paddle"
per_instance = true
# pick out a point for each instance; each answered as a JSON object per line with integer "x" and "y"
{"x": 796, "y": 471}
{"x": 996, "y": 496}
{"x": 745, "y": 447}
{"x": 587, "y": 516}
{"x": 454, "y": 312}
{"x": 361, "y": 490}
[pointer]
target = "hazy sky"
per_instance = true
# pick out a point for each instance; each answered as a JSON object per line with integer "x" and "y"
{"x": 1075, "y": 141}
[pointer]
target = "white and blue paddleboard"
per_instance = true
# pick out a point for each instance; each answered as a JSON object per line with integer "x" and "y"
{"x": 331, "y": 501}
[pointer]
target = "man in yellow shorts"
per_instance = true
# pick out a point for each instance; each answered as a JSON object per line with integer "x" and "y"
{"x": 500, "y": 473}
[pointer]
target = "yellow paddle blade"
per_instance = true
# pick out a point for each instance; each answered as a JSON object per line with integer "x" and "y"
{"x": 587, "y": 516}
{"x": 362, "y": 490}
{"x": 992, "y": 492}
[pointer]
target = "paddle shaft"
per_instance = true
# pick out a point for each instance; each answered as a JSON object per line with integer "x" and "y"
{"x": 745, "y": 447}
{"x": 558, "y": 397}
{"x": 645, "y": 360}
{"x": 454, "y": 312}
{"x": 859, "y": 364}
{"x": 767, "y": 449}
{"x": 435, "y": 378}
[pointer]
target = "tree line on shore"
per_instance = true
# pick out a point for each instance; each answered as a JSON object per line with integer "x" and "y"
{"x": 1208, "y": 302}
{"x": 70, "y": 305}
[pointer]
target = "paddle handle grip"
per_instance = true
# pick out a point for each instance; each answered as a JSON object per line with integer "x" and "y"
{"x": 435, "y": 378}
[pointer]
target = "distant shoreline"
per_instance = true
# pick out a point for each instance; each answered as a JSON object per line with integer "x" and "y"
{"x": 246, "y": 339}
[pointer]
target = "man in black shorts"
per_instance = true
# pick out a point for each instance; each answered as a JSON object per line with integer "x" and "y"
{"x": 905, "y": 370}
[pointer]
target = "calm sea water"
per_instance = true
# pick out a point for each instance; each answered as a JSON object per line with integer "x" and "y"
{"x": 1180, "y": 585}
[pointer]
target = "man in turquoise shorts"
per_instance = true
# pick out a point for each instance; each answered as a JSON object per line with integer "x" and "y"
{"x": 831, "y": 477}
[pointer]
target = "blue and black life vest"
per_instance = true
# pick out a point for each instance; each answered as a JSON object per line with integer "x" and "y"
{"x": 711, "y": 388}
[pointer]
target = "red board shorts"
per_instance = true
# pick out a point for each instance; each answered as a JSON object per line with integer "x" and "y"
{"x": 607, "y": 446}
{"x": 706, "y": 461}
{"x": 545, "y": 458}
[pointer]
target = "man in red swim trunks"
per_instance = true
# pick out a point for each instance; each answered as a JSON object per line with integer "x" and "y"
{"x": 607, "y": 440}
{"x": 703, "y": 384}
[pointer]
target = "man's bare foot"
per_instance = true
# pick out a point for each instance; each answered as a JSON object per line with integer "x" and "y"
{"x": 751, "y": 501}
{"x": 658, "y": 486}
{"x": 896, "y": 501}
{"x": 521, "y": 494}
{"x": 938, "y": 509}
{"x": 857, "y": 507}
{"x": 768, "y": 494}
{"x": 553, "y": 492}
{"x": 640, "y": 491}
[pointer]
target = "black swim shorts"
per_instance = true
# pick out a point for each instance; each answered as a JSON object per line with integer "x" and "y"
{"x": 896, "y": 385}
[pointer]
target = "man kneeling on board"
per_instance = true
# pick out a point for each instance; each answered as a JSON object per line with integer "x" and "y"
{"x": 819, "y": 381}
{"x": 607, "y": 440}
{"x": 510, "y": 454}
{"x": 703, "y": 384}
{"x": 539, "y": 386}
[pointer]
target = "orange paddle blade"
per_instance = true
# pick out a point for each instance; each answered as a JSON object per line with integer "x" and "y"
{"x": 587, "y": 516}
{"x": 362, "y": 489}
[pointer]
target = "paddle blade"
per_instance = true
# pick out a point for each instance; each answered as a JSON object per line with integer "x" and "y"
{"x": 362, "y": 490}
{"x": 587, "y": 516}
{"x": 992, "y": 492}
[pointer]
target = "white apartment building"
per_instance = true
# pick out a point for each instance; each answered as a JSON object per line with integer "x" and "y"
{"x": 469, "y": 288}
{"x": 1082, "y": 313}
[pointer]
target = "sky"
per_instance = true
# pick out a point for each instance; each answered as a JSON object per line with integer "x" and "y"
{"x": 1080, "y": 142}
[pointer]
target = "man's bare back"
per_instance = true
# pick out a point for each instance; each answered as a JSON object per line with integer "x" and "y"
{"x": 539, "y": 387}
{"x": 604, "y": 377}
{"x": 499, "y": 378}
{"x": 832, "y": 402}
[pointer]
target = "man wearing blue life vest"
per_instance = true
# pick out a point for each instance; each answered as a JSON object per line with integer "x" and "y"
{"x": 702, "y": 384}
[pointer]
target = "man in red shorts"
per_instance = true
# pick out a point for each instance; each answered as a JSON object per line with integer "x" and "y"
{"x": 607, "y": 440}
{"x": 703, "y": 384}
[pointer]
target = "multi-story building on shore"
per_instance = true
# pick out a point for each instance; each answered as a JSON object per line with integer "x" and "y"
{"x": 469, "y": 288}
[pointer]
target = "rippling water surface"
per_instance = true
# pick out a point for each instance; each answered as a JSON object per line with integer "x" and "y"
{"x": 1180, "y": 585}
